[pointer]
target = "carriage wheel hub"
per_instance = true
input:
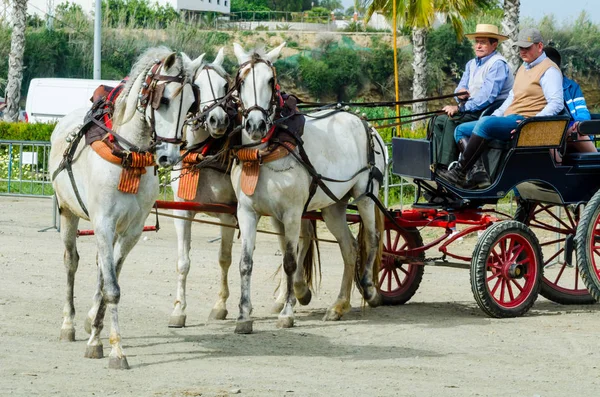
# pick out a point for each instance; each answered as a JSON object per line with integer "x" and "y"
{"x": 516, "y": 271}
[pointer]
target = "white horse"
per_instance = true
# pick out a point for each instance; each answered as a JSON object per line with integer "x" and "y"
{"x": 212, "y": 185}
{"x": 339, "y": 146}
{"x": 117, "y": 198}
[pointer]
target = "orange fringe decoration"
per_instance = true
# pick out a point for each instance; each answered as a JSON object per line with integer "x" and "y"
{"x": 253, "y": 158}
{"x": 188, "y": 183}
{"x": 131, "y": 174}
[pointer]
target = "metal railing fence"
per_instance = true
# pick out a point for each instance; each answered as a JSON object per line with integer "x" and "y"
{"x": 24, "y": 168}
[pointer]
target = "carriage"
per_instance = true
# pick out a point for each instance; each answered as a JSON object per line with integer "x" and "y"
{"x": 550, "y": 244}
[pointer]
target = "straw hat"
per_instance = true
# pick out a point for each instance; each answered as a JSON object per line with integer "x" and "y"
{"x": 486, "y": 30}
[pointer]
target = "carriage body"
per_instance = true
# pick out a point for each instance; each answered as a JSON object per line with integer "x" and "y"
{"x": 503, "y": 285}
{"x": 526, "y": 164}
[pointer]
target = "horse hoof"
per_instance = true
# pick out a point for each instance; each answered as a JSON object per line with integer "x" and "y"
{"x": 375, "y": 301}
{"x": 218, "y": 314}
{"x": 67, "y": 335}
{"x": 177, "y": 321}
{"x": 243, "y": 327}
{"x": 276, "y": 308}
{"x": 285, "y": 322}
{"x": 332, "y": 315}
{"x": 118, "y": 363}
{"x": 94, "y": 351}
{"x": 305, "y": 300}
{"x": 87, "y": 325}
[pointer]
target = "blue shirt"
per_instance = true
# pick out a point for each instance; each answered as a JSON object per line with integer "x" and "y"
{"x": 575, "y": 101}
{"x": 492, "y": 85}
{"x": 551, "y": 82}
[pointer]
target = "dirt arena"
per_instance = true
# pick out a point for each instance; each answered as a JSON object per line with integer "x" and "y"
{"x": 439, "y": 344}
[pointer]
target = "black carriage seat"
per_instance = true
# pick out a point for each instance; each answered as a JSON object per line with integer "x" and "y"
{"x": 543, "y": 132}
{"x": 584, "y": 160}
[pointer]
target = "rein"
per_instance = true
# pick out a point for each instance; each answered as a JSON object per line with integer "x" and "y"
{"x": 376, "y": 104}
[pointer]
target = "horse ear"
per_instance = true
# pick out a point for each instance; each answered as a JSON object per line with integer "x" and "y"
{"x": 240, "y": 54}
{"x": 191, "y": 66}
{"x": 220, "y": 57}
{"x": 274, "y": 54}
{"x": 170, "y": 61}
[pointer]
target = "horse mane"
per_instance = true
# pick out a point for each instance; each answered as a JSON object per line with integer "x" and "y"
{"x": 142, "y": 65}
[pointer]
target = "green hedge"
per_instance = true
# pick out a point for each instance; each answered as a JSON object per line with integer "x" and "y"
{"x": 26, "y": 131}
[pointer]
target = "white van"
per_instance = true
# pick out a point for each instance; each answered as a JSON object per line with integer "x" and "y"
{"x": 50, "y": 99}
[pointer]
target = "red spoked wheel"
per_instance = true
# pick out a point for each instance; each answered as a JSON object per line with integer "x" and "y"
{"x": 506, "y": 270}
{"x": 587, "y": 244}
{"x": 555, "y": 228}
{"x": 399, "y": 280}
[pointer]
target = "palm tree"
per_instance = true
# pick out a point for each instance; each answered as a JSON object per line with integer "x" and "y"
{"x": 420, "y": 16}
{"x": 510, "y": 27}
{"x": 15, "y": 61}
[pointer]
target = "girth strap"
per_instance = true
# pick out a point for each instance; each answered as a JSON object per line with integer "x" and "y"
{"x": 66, "y": 164}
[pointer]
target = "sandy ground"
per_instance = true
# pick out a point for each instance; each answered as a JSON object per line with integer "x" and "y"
{"x": 438, "y": 344}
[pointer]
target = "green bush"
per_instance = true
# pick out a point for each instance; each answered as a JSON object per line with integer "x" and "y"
{"x": 26, "y": 131}
{"x": 335, "y": 72}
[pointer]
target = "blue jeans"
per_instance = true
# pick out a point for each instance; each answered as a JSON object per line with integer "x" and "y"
{"x": 489, "y": 127}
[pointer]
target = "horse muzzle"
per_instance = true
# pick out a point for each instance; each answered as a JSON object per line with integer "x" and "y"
{"x": 167, "y": 155}
{"x": 217, "y": 125}
{"x": 256, "y": 129}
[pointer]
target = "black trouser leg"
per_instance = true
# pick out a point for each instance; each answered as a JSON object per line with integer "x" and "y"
{"x": 471, "y": 153}
{"x": 472, "y": 164}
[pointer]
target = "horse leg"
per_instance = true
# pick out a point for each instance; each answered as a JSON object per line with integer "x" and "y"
{"x": 122, "y": 247}
{"x": 290, "y": 264}
{"x": 68, "y": 233}
{"x": 335, "y": 219}
{"x": 248, "y": 221}
{"x": 95, "y": 319}
{"x": 219, "y": 310}
{"x": 98, "y": 301}
{"x": 301, "y": 290}
{"x": 183, "y": 229}
{"x": 281, "y": 296}
{"x": 369, "y": 244}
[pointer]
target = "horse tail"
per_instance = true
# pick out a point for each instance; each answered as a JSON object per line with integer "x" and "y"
{"x": 311, "y": 264}
{"x": 363, "y": 252}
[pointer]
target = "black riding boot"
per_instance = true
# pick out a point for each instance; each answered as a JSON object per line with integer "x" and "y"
{"x": 471, "y": 155}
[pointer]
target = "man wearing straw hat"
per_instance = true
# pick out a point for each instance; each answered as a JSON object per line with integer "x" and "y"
{"x": 487, "y": 79}
{"x": 537, "y": 91}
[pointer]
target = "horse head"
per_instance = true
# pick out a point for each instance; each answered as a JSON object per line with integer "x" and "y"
{"x": 256, "y": 83}
{"x": 212, "y": 84}
{"x": 160, "y": 89}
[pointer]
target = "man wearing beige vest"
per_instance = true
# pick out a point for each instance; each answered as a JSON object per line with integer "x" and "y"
{"x": 537, "y": 91}
{"x": 487, "y": 79}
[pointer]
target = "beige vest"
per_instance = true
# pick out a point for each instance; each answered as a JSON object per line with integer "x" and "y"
{"x": 528, "y": 97}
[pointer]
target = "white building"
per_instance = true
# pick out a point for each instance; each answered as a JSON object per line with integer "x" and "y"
{"x": 40, "y": 7}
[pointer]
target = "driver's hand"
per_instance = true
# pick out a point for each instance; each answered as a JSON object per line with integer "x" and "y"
{"x": 450, "y": 110}
{"x": 463, "y": 95}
